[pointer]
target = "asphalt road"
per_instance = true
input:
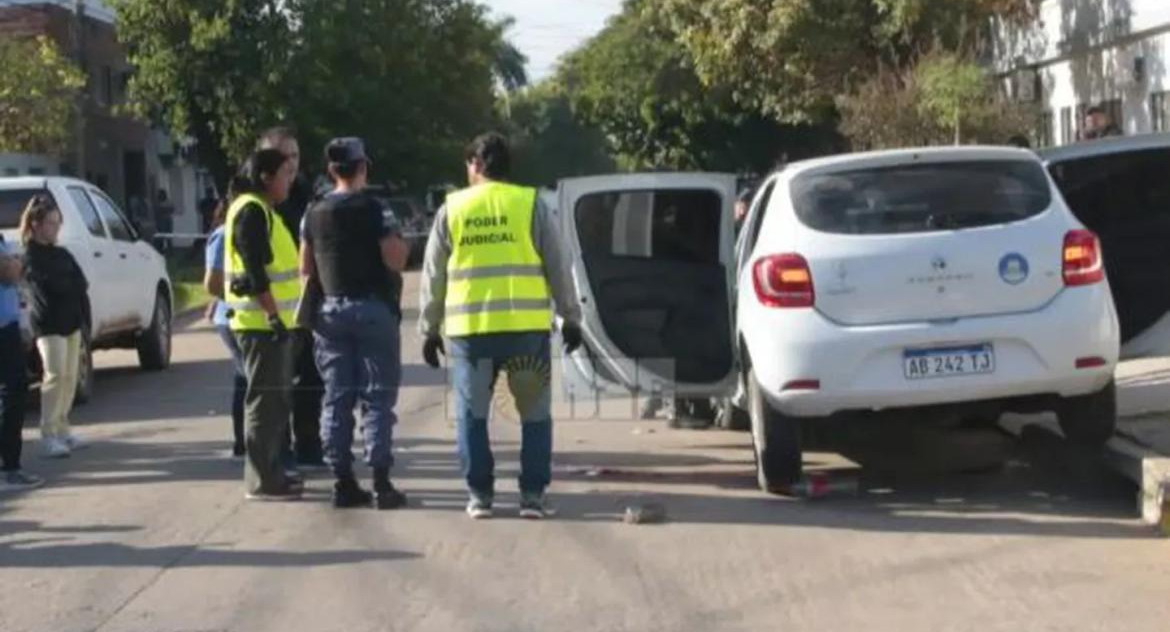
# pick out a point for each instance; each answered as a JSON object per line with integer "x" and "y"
{"x": 148, "y": 531}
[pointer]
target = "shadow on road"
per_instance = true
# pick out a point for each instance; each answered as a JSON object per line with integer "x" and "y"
{"x": 1031, "y": 487}
{"x": 52, "y": 553}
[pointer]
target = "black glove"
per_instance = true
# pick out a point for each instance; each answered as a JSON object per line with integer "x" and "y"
{"x": 279, "y": 331}
{"x": 431, "y": 350}
{"x": 571, "y": 334}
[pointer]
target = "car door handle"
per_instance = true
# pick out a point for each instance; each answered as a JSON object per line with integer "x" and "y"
{"x": 122, "y": 256}
{"x": 97, "y": 254}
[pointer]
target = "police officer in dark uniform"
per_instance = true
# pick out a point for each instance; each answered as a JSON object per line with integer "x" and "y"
{"x": 352, "y": 247}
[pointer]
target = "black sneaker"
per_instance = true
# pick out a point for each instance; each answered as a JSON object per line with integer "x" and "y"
{"x": 17, "y": 480}
{"x": 535, "y": 507}
{"x": 387, "y": 497}
{"x": 347, "y": 494}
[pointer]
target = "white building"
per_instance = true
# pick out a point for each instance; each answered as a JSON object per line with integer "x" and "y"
{"x": 1080, "y": 53}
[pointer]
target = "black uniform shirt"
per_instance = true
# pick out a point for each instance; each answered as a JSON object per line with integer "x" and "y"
{"x": 345, "y": 231}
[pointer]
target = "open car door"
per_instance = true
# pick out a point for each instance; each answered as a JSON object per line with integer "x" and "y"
{"x": 652, "y": 258}
{"x": 1119, "y": 189}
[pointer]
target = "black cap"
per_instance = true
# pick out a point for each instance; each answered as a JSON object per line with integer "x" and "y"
{"x": 346, "y": 150}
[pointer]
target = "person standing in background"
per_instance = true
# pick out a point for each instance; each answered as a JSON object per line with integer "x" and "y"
{"x": 59, "y": 293}
{"x": 308, "y": 390}
{"x": 13, "y": 376}
{"x": 164, "y": 218}
{"x": 353, "y": 248}
{"x": 218, "y": 314}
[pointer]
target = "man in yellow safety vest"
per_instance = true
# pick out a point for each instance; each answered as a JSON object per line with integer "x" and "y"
{"x": 494, "y": 267}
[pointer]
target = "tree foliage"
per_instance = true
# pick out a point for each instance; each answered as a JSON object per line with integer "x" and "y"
{"x": 414, "y": 77}
{"x": 548, "y": 141}
{"x": 38, "y": 90}
{"x": 209, "y": 69}
{"x": 791, "y": 59}
{"x": 942, "y": 99}
{"x": 640, "y": 88}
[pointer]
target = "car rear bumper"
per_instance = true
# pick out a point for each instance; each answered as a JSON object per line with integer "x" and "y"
{"x": 861, "y": 367}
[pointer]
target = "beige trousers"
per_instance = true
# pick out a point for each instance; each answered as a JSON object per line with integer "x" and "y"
{"x": 61, "y": 357}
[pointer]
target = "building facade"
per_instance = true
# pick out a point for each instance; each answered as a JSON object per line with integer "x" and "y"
{"x": 1112, "y": 54}
{"x": 120, "y": 154}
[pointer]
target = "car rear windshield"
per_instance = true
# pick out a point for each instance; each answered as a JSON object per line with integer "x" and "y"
{"x": 921, "y": 197}
{"x": 12, "y": 203}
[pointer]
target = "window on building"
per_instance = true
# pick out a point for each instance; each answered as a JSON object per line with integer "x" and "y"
{"x": 106, "y": 89}
{"x": 1160, "y": 111}
{"x": 1067, "y": 134}
{"x": 1044, "y": 129}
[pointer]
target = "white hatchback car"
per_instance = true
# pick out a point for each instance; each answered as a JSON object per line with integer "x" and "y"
{"x": 863, "y": 282}
{"x": 917, "y": 278}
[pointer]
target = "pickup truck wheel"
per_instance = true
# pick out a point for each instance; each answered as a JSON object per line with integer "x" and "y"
{"x": 1089, "y": 420}
{"x": 84, "y": 371}
{"x": 154, "y": 346}
{"x": 776, "y": 439}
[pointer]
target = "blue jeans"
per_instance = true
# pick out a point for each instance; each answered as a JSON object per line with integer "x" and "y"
{"x": 358, "y": 353}
{"x": 476, "y": 363}
{"x": 239, "y": 385}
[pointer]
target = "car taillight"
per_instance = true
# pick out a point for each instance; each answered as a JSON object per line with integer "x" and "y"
{"x": 1082, "y": 259}
{"x": 784, "y": 281}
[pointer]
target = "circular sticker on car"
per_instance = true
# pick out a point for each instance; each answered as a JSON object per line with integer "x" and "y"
{"x": 1013, "y": 269}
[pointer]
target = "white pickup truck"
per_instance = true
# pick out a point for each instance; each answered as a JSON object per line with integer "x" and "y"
{"x": 130, "y": 299}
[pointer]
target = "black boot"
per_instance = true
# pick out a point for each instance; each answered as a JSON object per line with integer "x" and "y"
{"x": 348, "y": 494}
{"x": 385, "y": 496}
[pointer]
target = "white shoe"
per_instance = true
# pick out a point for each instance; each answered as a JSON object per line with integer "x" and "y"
{"x": 54, "y": 448}
{"x": 75, "y": 442}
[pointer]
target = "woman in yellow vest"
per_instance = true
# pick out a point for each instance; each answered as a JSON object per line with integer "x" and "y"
{"x": 261, "y": 289}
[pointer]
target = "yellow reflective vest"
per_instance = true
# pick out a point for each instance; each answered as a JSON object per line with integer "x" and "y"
{"x": 283, "y": 276}
{"x": 495, "y": 276}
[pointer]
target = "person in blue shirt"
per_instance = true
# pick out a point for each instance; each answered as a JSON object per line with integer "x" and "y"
{"x": 13, "y": 376}
{"x": 218, "y": 314}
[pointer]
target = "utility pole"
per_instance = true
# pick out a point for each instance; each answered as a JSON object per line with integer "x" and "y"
{"x": 79, "y": 107}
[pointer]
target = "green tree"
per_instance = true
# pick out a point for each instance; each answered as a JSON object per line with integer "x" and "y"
{"x": 38, "y": 91}
{"x": 548, "y": 141}
{"x": 942, "y": 99}
{"x": 952, "y": 92}
{"x": 510, "y": 65}
{"x": 214, "y": 70}
{"x": 637, "y": 85}
{"x": 414, "y": 78}
{"x": 792, "y": 59}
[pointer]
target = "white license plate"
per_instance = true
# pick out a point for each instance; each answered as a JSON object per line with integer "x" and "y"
{"x": 921, "y": 364}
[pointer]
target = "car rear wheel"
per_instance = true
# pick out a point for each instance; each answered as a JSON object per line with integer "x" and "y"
{"x": 154, "y": 346}
{"x": 1089, "y": 420}
{"x": 776, "y": 438}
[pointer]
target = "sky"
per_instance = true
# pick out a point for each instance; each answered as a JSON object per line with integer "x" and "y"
{"x": 546, "y": 29}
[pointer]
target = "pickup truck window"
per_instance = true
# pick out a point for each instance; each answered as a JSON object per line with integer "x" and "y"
{"x": 12, "y": 203}
{"x": 89, "y": 214}
{"x": 119, "y": 228}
